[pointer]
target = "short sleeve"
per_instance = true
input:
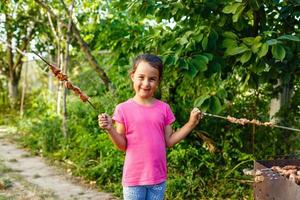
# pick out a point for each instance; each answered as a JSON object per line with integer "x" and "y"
{"x": 118, "y": 116}
{"x": 170, "y": 118}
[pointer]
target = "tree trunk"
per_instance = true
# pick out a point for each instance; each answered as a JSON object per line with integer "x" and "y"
{"x": 24, "y": 85}
{"x": 281, "y": 101}
{"x": 65, "y": 70}
{"x": 50, "y": 81}
{"x": 13, "y": 93}
{"x": 60, "y": 86}
{"x": 14, "y": 60}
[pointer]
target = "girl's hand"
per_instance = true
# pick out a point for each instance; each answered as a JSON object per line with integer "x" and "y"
{"x": 105, "y": 121}
{"x": 195, "y": 116}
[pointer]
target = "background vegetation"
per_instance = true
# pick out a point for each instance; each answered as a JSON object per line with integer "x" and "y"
{"x": 234, "y": 57}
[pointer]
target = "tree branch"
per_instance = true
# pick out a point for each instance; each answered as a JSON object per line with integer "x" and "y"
{"x": 26, "y": 42}
{"x": 83, "y": 45}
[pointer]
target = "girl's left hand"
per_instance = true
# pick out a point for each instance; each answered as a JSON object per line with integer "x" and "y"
{"x": 195, "y": 116}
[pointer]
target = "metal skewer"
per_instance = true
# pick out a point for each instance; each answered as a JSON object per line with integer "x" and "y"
{"x": 91, "y": 105}
{"x": 216, "y": 116}
{"x": 273, "y": 125}
{"x": 42, "y": 58}
{"x": 287, "y": 128}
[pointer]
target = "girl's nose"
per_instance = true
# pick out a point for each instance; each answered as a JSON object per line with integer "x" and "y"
{"x": 146, "y": 82}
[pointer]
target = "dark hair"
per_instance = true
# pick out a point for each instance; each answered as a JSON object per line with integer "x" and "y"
{"x": 153, "y": 60}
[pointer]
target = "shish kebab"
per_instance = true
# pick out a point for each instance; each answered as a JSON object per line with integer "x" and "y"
{"x": 244, "y": 121}
{"x": 64, "y": 78}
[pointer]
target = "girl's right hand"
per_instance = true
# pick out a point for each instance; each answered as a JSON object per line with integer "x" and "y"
{"x": 105, "y": 121}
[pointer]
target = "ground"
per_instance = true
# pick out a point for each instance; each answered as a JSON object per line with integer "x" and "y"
{"x": 27, "y": 177}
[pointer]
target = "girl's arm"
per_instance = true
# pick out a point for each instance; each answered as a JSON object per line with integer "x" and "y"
{"x": 173, "y": 138}
{"x": 116, "y": 134}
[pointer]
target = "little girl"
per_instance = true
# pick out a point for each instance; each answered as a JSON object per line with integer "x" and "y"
{"x": 142, "y": 127}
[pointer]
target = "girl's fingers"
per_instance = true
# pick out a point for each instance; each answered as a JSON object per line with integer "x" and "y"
{"x": 197, "y": 114}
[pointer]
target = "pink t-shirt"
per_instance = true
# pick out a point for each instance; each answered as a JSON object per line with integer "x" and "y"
{"x": 145, "y": 160}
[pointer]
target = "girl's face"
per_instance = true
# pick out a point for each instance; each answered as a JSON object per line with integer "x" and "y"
{"x": 145, "y": 80}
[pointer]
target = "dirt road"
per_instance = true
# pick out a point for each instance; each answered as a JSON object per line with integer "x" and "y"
{"x": 26, "y": 177}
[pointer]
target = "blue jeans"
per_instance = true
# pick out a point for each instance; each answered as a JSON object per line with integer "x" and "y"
{"x": 145, "y": 192}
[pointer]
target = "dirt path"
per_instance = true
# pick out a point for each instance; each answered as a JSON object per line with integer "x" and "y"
{"x": 24, "y": 177}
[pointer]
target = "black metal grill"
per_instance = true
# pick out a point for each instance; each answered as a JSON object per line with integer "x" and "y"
{"x": 272, "y": 185}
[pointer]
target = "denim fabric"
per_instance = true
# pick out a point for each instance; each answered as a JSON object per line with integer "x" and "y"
{"x": 145, "y": 192}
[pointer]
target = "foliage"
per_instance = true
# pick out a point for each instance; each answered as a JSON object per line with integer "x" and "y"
{"x": 225, "y": 57}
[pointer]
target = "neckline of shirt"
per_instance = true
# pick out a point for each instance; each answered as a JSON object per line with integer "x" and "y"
{"x": 144, "y": 106}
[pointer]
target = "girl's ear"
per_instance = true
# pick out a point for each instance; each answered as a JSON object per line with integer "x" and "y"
{"x": 132, "y": 75}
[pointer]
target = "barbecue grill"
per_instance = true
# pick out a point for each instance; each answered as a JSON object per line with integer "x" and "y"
{"x": 272, "y": 185}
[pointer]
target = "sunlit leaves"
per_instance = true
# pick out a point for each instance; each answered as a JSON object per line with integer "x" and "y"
{"x": 208, "y": 103}
{"x": 231, "y": 35}
{"x": 236, "y": 9}
{"x": 263, "y": 50}
{"x": 200, "y": 62}
{"x": 199, "y": 101}
{"x": 236, "y": 50}
{"x": 232, "y": 8}
{"x": 246, "y": 57}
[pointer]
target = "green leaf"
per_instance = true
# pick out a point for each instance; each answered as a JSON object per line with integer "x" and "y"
{"x": 205, "y": 105}
{"x": 231, "y": 35}
{"x": 183, "y": 40}
{"x": 236, "y": 50}
{"x": 183, "y": 64}
{"x": 198, "y": 38}
{"x": 231, "y": 8}
{"x": 272, "y": 42}
{"x": 222, "y": 93}
{"x": 289, "y": 37}
{"x": 170, "y": 60}
{"x": 199, "y": 101}
{"x": 200, "y": 62}
{"x": 192, "y": 71}
{"x": 202, "y": 58}
{"x": 209, "y": 56}
{"x": 215, "y": 105}
{"x": 246, "y": 57}
{"x": 204, "y": 43}
{"x": 255, "y": 47}
{"x": 263, "y": 50}
{"x": 248, "y": 41}
{"x": 257, "y": 39}
{"x": 278, "y": 52}
{"x": 188, "y": 34}
{"x": 229, "y": 43}
{"x": 237, "y": 15}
